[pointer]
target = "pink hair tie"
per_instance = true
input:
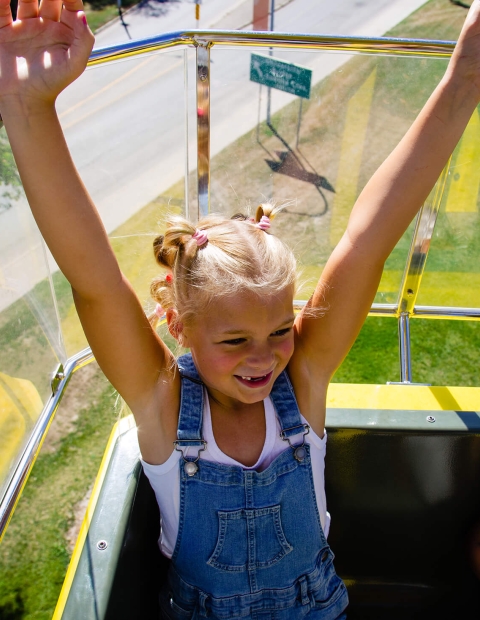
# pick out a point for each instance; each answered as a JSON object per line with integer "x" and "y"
{"x": 264, "y": 223}
{"x": 159, "y": 311}
{"x": 200, "y": 237}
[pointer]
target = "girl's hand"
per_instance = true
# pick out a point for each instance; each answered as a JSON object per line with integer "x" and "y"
{"x": 43, "y": 51}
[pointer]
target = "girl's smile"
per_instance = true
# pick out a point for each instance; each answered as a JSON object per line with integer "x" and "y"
{"x": 242, "y": 345}
{"x": 253, "y": 382}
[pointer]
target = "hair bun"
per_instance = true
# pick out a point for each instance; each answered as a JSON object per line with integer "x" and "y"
{"x": 265, "y": 210}
{"x": 163, "y": 256}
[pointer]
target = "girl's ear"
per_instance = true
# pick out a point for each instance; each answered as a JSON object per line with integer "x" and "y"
{"x": 175, "y": 327}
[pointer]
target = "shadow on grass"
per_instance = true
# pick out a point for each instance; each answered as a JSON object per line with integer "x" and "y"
{"x": 290, "y": 164}
{"x": 13, "y": 610}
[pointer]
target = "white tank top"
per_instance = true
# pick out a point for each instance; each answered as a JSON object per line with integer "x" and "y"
{"x": 165, "y": 478}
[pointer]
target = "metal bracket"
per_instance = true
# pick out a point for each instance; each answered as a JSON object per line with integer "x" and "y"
{"x": 407, "y": 383}
{"x": 57, "y": 377}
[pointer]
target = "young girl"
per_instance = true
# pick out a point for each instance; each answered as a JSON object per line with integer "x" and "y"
{"x": 232, "y": 436}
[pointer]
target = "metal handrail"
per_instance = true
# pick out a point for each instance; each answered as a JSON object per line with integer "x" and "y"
{"x": 285, "y": 40}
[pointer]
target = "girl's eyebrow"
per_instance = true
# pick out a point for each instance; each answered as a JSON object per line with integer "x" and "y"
{"x": 287, "y": 321}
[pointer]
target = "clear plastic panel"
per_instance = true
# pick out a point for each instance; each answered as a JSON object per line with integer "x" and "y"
{"x": 31, "y": 344}
{"x": 452, "y": 274}
{"x": 125, "y": 124}
{"x": 316, "y": 154}
{"x": 129, "y": 132}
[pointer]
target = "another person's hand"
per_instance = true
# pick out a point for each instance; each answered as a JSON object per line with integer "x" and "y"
{"x": 43, "y": 51}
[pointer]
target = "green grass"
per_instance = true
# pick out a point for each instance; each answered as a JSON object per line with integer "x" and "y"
{"x": 33, "y": 555}
{"x": 443, "y": 353}
{"x": 99, "y": 17}
{"x": 100, "y": 12}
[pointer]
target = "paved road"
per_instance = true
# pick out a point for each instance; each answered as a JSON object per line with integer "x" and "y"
{"x": 125, "y": 122}
{"x": 127, "y": 134}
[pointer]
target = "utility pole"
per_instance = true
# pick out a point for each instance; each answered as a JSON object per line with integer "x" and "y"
{"x": 197, "y": 12}
{"x": 271, "y": 28}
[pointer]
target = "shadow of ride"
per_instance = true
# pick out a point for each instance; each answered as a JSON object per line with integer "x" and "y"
{"x": 290, "y": 164}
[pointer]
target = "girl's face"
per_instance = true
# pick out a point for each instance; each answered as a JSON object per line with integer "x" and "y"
{"x": 242, "y": 345}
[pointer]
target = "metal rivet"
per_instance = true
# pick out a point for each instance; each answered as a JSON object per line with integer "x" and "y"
{"x": 102, "y": 545}
{"x": 299, "y": 453}
{"x": 430, "y": 418}
{"x": 202, "y": 74}
{"x": 410, "y": 292}
{"x": 191, "y": 468}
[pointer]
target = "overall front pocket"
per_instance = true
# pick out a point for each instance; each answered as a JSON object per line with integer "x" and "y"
{"x": 248, "y": 539}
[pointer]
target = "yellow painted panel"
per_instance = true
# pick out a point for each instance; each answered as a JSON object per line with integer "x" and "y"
{"x": 354, "y": 133}
{"x": 417, "y": 397}
{"x": 26, "y": 393}
{"x": 439, "y": 288}
{"x": 20, "y": 406}
{"x": 12, "y": 431}
{"x": 464, "y": 180}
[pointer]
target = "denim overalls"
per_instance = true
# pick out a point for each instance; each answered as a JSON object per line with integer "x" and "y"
{"x": 250, "y": 544}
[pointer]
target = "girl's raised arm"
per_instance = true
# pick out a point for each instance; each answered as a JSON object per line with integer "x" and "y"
{"x": 382, "y": 213}
{"x": 40, "y": 54}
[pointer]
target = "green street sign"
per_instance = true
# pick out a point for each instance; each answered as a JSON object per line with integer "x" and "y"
{"x": 279, "y": 74}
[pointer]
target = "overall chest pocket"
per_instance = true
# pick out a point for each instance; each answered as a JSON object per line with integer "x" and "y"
{"x": 249, "y": 538}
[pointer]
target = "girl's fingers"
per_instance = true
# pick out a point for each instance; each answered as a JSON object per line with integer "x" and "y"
{"x": 73, "y": 5}
{"x": 82, "y": 43}
{"x": 27, "y": 9}
{"x": 50, "y": 9}
{"x": 5, "y": 13}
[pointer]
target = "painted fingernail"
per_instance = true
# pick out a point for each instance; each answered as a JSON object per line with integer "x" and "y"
{"x": 84, "y": 20}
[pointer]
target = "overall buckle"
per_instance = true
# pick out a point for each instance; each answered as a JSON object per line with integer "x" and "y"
{"x": 190, "y": 465}
{"x": 299, "y": 451}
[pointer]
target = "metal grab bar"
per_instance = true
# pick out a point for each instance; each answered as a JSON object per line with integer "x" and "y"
{"x": 285, "y": 40}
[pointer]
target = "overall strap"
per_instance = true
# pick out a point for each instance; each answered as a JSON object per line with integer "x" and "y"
{"x": 285, "y": 403}
{"x": 191, "y": 405}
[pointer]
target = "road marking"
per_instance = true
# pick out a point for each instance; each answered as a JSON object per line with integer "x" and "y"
{"x": 125, "y": 94}
{"x": 106, "y": 87}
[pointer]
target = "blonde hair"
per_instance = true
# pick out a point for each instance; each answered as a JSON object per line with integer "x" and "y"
{"x": 238, "y": 257}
